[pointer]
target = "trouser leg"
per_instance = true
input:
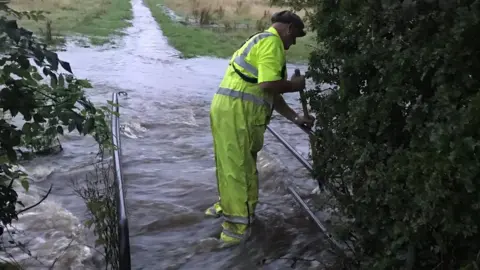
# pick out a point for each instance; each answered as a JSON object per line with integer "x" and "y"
{"x": 239, "y": 197}
{"x": 236, "y": 144}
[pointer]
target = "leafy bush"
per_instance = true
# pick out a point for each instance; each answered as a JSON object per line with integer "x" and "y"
{"x": 98, "y": 191}
{"x": 398, "y": 133}
{"x": 49, "y": 101}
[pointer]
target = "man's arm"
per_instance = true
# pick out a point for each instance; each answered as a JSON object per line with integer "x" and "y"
{"x": 278, "y": 87}
{"x": 282, "y": 107}
{"x": 270, "y": 63}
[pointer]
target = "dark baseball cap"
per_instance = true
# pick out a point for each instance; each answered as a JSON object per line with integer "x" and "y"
{"x": 286, "y": 16}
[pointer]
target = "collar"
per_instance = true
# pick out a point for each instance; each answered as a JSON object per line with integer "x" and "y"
{"x": 273, "y": 31}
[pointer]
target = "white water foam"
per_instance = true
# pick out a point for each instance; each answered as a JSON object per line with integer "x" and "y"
{"x": 132, "y": 129}
{"x": 47, "y": 234}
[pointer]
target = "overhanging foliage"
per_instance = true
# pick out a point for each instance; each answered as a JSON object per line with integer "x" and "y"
{"x": 401, "y": 128}
{"x": 38, "y": 101}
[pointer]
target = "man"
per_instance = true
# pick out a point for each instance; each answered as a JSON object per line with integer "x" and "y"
{"x": 252, "y": 87}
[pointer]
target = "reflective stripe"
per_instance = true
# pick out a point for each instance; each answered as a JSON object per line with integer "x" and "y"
{"x": 243, "y": 96}
{"x": 240, "y": 60}
{"x": 233, "y": 219}
{"x": 232, "y": 234}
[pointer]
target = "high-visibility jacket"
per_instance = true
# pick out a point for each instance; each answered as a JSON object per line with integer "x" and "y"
{"x": 241, "y": 77}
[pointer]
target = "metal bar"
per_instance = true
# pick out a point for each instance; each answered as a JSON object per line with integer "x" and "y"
{"x": 297, "y": 197}
{"x": 297, "y": 155}
{"x": 308, "y": 131}
{"x": 123, "y": 232}
{"x": 290, "y": 148}
{"x": 319, "y": 224}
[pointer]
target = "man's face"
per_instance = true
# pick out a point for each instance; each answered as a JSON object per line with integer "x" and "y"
{"x": 290, "y": 36}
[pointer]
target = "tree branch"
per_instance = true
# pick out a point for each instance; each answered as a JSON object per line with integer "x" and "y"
{"x": 30, "y": 207}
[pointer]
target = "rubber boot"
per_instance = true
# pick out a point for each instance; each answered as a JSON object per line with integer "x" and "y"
{"x": 214, "y": 211}
{"x": 234, "y": 234}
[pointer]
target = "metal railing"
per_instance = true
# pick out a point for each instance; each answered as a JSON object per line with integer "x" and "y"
{"x": 123, "y": 232}
{"x": 295, "y": 194}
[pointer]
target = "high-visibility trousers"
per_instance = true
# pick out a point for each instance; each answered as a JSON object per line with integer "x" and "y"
{"x": 238, "y": 129}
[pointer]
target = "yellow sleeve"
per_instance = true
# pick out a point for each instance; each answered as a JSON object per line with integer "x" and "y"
{"x": 271, "y": 57}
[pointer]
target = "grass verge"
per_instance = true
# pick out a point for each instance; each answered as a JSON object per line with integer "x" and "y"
{"x": 235, "y": 21}
{"x": 99, "y": 20}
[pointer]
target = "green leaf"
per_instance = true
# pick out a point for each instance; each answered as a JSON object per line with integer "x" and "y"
{"x": 38, "y": 118}
{"x": 36, "y": 127}
{"x": 37, "y": 76}
{"x": 113, "y": 104}
{"x": 23, "y": 61}
{"x": 61, "y": 81}
{"x": 60, "y": 130}
{"x": 13, "y": 111}
{"x": 71, "y": 126}
{"x": 25, "y": 183}
{"x": 88, "y": 223}
{"x": 12, "y": 155}
{"x": 3, "y": 60}
{"x": 84, "y": 83}
{"x": 27, "y": 115}
{"x": 52, "y": 58}
{"x": 89, "y": 124}
{"x": 27, "y": 129}
{"x": 66, "y": 66}
{"x": 15, "y": 138}
{"x": 99, "y": 242}
{"x": 53, "y": 80}
{"x": 69, "y": 78}
{"x": 46, "y": 71}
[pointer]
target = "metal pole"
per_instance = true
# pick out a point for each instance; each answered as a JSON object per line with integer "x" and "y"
{"x": 303, "y": 100}
{"x": 297, "y": 197}
{"x": 319, "y": 224}
{"x": 308, "y": 131}
{"x": 123, "y": 231}
{"x": 296, "y": 155}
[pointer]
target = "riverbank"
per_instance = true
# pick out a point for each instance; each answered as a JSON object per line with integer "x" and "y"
{"x": 214, "y": 28}
{"x": 97, "y": 20}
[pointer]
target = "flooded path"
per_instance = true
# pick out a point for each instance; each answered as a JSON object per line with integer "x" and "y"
{"x": 168, "y": 164}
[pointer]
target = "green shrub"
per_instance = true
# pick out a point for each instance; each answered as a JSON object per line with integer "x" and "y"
{"x": 398, "y": 136}
{"x": 46, "y": 102}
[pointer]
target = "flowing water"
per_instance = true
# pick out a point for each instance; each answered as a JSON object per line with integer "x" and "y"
{"x": 168, "y": 167}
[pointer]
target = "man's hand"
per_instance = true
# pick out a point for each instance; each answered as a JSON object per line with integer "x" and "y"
{"x": 304, "y": 121}
{"x": 298, "y": 82}
{"x": 295, "y": 84}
